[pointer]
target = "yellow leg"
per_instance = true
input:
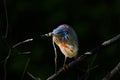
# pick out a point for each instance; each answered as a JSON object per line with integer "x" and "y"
{"x": 65, "y": 65}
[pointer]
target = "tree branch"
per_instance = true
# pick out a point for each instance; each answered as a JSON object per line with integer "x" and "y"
{"x": 9, "y": 54}
{"x": 85, "y": 55}
{"x": 6, "y": 15}
{"x": 33, "y": 77}
{"x": 27, "y": 62}
{"x": 112, "y": 73}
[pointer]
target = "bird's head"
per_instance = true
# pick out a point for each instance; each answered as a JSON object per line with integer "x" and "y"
{"x": 61, "y": 31}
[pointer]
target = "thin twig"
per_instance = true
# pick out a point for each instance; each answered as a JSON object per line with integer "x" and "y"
{"x": 112, "y": 73}
{"x": 24, "y": 53}
{"x": 27, "y": 62}
{"x": 9, "y": 54}
{"x": 22, "y": 42}
{"x": 33, "y": 77}
{"x": 5, "y": 64}
{"x": 6, "y": 15}
{"x": 85, "y": 55}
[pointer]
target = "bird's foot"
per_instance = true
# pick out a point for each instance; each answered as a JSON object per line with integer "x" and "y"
{"x": 65, "y": 67}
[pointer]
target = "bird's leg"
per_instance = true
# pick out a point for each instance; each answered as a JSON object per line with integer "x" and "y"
{"x": 55, "y": 55}
{"x": 65, "y": 65}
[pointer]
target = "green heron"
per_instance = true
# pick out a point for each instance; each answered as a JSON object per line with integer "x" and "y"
{"x": 66, "y": 39}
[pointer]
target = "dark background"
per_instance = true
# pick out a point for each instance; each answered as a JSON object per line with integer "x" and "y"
{"x": 93, "y": 20}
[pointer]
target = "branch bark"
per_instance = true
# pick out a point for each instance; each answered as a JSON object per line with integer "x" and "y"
{"x": 112, "y": 73}
{"x": 85, "y": 55}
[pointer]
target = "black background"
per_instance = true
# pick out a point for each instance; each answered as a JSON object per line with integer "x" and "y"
{"x": 93, "y": 20}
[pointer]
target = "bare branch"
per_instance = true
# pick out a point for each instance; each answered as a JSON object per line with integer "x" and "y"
{"x": 6, "y": 15}
{"x": 9, "y": 54}
{"x": 28, "y": 40}
{"x": 33, "y": 77}
{"x": 85, "y": 55}
{"x": 111, "y": 40}
{"x": 24, "y": 53}
{"x": 28, "y": 60}
{"x": 112, "y": 73}
{"x": 5, "y": 64}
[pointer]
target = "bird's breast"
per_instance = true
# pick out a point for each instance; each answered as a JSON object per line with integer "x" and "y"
{"x": 67, "y": 48}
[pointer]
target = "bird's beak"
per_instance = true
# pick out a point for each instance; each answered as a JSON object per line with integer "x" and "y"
{"x": 48, "y": 34}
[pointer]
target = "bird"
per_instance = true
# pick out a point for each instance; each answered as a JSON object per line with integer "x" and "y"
{"x": 66, "y": 39}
